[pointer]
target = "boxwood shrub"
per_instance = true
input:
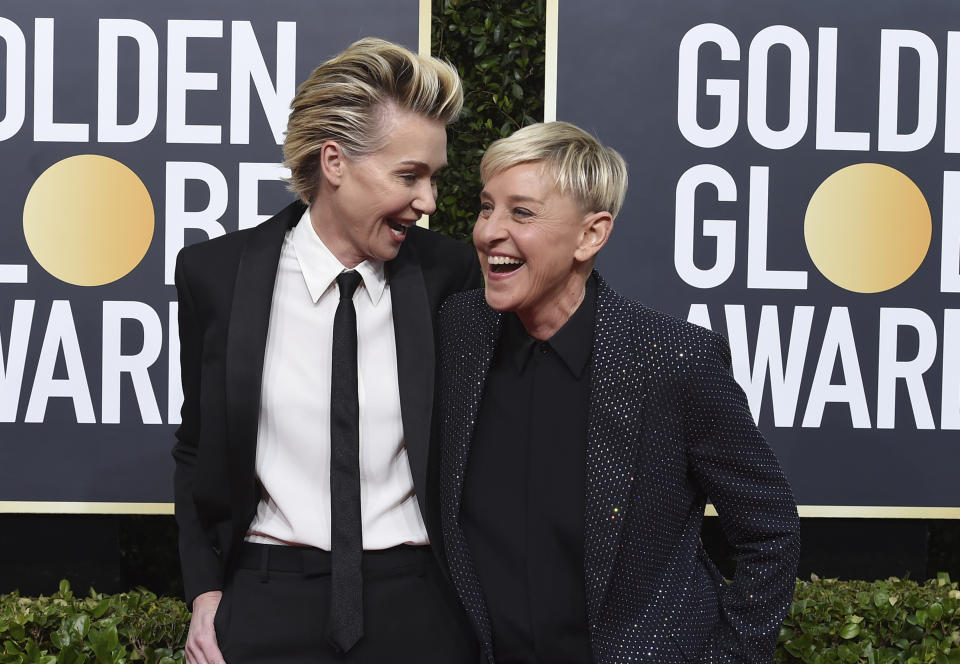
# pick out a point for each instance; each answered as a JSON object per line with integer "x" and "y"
{"x": 66, "y": 629}
{"x": 879, "y": 622}
{"x": 830, "y": 621}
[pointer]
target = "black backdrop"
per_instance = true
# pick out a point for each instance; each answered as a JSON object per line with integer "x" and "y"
{"x": 619, "y": 75}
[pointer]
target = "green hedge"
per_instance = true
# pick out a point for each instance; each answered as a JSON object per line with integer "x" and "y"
{"x": 877, "y": 622}
{"x": 498, "y": 48}
{"x": 831, "y": 621}
{"x": 66, "y": 629}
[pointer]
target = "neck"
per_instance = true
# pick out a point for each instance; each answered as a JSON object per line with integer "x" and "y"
{"x": 324, "y": 222}
{"x": 543, "y": 321}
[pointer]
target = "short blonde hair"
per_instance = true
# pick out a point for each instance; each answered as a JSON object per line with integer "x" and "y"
{"x": 346, "y": 98}
{"x": 593, "y": 174}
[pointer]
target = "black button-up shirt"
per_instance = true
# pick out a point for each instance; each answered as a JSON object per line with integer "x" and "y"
{"x": 523, "y": 496}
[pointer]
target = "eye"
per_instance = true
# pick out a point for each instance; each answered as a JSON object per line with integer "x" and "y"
{"x": 522, "y": 212}
{"x": 486, "y": 208}
{"x": 409, "y": 178}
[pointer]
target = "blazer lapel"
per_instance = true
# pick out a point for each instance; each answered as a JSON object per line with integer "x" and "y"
{"x": 614, "y": 437}
{"x": 413, "y": 329}
{"x": 466, "y": 364}
{"x": 470, "y": 369}
{"x": 246, "y": 344}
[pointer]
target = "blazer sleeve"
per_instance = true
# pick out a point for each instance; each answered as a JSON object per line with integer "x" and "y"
{"x": 739, "y": 472}
{"x": 201, "y": 567}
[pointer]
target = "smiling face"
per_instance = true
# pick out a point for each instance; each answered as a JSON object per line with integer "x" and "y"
{"x": 365, "y": 205}
{"x": 536, "y": 247}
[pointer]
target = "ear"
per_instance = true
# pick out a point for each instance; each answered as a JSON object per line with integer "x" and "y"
{"x": 332, "y": 162}
{"x": 596, "y": 229}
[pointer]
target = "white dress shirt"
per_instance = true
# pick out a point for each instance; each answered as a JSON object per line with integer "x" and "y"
{"x": 293, "y": 437}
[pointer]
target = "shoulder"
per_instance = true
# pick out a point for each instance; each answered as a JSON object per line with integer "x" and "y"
{"x": 466, "y": 317}
{"x": 615, "y": 310}
{"x": 448, "y": 266}
{"x": 464, "y": 306}
{"x": 219, "y": 254}
{"x": 208, "y": 264}
{"x": 665, "y": 344}
{"x": 214, "y": 250}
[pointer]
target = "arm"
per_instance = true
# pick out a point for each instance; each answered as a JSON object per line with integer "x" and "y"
{"x": 201, "y": 567}
{"x": 202, "y": 573}
{"x": 739, "y": 472}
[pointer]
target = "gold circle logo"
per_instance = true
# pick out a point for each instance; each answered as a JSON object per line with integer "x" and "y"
{"x": 88, "y": 220}
{"x": 867, "y": 228}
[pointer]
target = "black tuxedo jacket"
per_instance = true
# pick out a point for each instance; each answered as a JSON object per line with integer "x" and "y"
{"x": 668, "y": 429}
{"x": 225, "y": 289}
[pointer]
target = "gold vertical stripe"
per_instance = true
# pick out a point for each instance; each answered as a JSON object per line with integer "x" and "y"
{"x": 423, "y": 48}
{"x": 550, "y": 64}
{"x": 423, "y": 31}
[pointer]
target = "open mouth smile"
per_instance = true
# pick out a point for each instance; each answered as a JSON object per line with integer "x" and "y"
{"x": 399, "y": 230}
{"x": 504, "y": 265}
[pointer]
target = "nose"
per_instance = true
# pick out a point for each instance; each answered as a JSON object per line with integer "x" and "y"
{"x": 425, "y": 201}
{"x": 488, "y": 230}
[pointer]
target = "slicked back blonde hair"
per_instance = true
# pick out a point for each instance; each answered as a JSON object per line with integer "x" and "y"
{"x": 593, "y": 174}
{"x": 346, "y": 98}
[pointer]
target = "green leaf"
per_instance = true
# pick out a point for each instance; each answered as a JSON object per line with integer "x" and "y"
{"x": 81, "y": 625}
{"x": 60, "y": 640}
{"x": 935, "y": 612}
{"x": 850, "y": 630}
{"x": 70, "y": 655}
{"x": 104, "y": 642}
{"x": 101, "y": 608}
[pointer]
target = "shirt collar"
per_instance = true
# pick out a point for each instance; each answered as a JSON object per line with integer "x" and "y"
{"x": 573, "y": 342}
{"x": 320, "y": 267}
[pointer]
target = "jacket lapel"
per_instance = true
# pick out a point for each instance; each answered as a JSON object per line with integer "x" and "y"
{"x": 471, "y": 370}
{"x": 465, "y": 367}
{"x": 413, "y": 329}
{"x": 613, "y": 441}
{"x": 246, "y": 344}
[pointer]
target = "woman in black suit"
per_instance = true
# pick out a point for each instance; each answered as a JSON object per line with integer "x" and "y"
{"x": 304, "y": 484}
{"x": 583, "y": 434}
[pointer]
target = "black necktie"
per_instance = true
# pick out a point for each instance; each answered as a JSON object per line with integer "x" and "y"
{"x": 345, "y": 626}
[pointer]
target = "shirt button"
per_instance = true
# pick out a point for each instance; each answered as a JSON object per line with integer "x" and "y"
{"x": 544, "y": 347}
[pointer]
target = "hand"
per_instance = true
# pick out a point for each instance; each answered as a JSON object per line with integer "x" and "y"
{"x": 202, "y": 639}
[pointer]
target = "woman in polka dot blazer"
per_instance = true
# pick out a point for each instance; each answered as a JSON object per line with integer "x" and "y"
{"x": 583, "y": 434}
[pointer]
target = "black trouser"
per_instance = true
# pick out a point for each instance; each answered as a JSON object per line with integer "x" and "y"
{"x": 275, "y": 606}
